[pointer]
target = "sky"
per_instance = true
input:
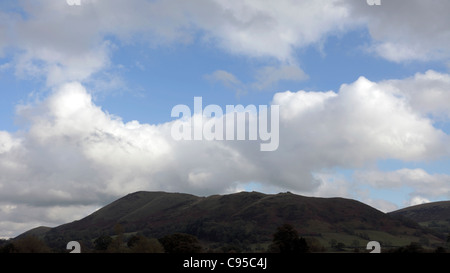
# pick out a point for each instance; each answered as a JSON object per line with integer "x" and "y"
{"x": 86, "y": 94}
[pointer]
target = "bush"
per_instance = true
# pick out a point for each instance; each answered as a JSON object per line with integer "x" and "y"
{"x": 102, "y": 243}
{"x": 142, "y": 244}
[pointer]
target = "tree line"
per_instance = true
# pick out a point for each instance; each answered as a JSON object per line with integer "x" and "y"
{"x": 285, "y": 239}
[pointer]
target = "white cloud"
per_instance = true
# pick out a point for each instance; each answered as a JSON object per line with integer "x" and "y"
{"x": 7, "y": 142}
{"x": 417, "y": 200}
{"x": 269, "y": 75}
{"x": 224, "y": 77}
{"x": 361, "y": 123}
{"x": 73, "y": 153}
{"x": 332, "y": 184}
{"x": 424, "y": 185}
{"x": 405, "y": 30}
{"x": 74, "y": 156}
{"x": 72, "y": 43}
{"x": 17, "y": 218}
{"x": 265, "y": 78}
{"x": 428, "y": 93}
{"x": 66, "y": 43}
{"x": 264, "y": 28}
{"x": 297, "y": 103}
{"x": 72, "y": 147}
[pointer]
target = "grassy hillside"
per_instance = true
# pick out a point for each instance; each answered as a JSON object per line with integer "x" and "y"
{"x": 434, "y": 216}
{"x": 246, "y": 219}
{"x": 38, "y": 232}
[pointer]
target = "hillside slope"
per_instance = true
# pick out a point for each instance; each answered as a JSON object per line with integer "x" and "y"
{"x": 248, "y": 218}
{"x": 434, "y": 211}
{"x": 434, "y": 215}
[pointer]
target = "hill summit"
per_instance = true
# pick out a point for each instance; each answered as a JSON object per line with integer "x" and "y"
{"x": 247, "y": 219}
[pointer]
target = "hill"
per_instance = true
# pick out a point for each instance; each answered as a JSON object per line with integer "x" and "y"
{"x": 38, "y": 232}
{"x": 434, "y": 215}
{"x": 247, "y": 219}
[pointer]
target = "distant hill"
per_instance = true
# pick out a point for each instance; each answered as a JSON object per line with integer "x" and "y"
{"x": 434, "y": 215}
{"x": 247, "y": 219}
{"x": 434, "y": 211}
{"x": 37, "y": 232}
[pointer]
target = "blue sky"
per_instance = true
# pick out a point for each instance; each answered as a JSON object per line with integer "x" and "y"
{"x": 87, "y": 92}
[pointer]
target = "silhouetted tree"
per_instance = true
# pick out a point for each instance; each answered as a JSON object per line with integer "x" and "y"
{"x": 286, "y": 240}
{"x": 133, "y": 240}
{"x": 180, "y": 243}
{"x": 440, "y": 250}
{"x": 102, "y": 243}
{"x": 411, "y": 248}
{"x": 7, "y": 248}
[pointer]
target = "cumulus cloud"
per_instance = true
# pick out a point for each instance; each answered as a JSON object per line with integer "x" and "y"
{"x": 74, "y": 156}
{"x": 428, "y": 93}
{"x": 58, "y": 43}
{"x": 73, "y": 146}
{"x": 258, "y": 28}
{"x": 66, "y": 43}
{"x": 363, "y": 122}
{"x": 7, "y": 142}
{"x": 424, "y": 185}
{"x": 73, "y": 43}
{"x": 405, "y": 30}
